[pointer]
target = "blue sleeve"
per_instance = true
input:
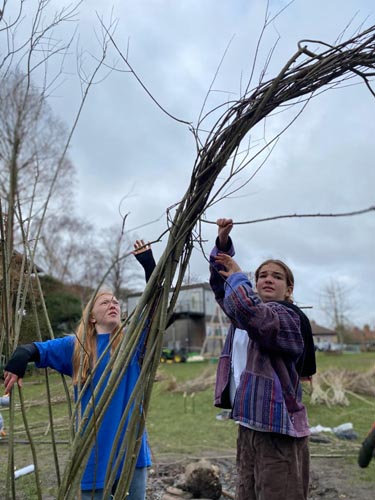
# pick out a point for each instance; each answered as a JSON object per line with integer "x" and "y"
{"x": 57, "y": 354}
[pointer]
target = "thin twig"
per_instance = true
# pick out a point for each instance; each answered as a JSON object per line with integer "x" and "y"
{"x": 289, "y": 216}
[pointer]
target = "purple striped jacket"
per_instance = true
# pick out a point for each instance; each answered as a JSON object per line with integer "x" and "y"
{"x": 269, "y": 395}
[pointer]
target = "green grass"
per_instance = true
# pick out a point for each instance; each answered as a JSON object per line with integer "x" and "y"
{"x": 179, "y": 424}
{"x": 359, "y": 362}
{"x": 187, "y": 424}
{"x": 361, "y": 410}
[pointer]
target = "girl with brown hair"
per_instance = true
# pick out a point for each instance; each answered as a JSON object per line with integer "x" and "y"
{"x": 267, "y": 351}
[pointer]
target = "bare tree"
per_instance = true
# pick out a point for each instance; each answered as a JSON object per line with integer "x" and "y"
{"x": 67, "y": 247}
{"x": 335, "y": 302}
{"x": 32, "y": 140}
{"x": 34, "y": 164}
{"x": 74, "y": 251}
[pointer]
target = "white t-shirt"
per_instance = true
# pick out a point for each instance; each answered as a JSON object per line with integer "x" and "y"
{"x": 238, "y": 362}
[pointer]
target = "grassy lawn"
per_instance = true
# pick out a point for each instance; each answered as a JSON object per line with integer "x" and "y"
{"x": 184, "y": 423}
{"x": 172, "y": 417}
{"x": 179, "y": 423}
{"x": 359, "y": 362}
{"x": 361, "y": 410}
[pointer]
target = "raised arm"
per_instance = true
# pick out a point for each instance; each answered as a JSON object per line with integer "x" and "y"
{"x": 223, "y": 246}
{"x": 225, "y": 226}
{"x": 143, "y": 254}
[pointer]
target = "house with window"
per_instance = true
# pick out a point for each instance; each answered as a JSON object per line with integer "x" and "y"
{"x": 325, "y": 339}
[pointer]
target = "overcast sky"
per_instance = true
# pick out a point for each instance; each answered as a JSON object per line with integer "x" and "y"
{"x": 126, "y": 148}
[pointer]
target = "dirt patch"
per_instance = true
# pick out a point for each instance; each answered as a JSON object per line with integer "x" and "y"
{"x": 330, "y": 478}
{"x": 335, "y": 477}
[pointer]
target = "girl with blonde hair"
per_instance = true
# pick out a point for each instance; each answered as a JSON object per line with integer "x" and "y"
{"x": 88, "y": 351}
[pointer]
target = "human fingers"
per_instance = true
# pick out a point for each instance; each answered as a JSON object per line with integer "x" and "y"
{"x": 224, "y": 228}
{"x": 9, "y": 380}
{"x": 223, "y": 259}
{"x": 223, "y": 222}
{"x": 228, "y": 262}
{"x": 140, "y": 246}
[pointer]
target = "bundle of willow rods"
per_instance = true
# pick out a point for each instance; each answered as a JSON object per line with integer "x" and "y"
{"x": 354, "y": 57}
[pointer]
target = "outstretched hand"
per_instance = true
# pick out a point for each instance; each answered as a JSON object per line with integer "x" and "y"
{"x": 229, "y": 263}
{"x": 225, "y": 226}
{"x": 140, "y": 246}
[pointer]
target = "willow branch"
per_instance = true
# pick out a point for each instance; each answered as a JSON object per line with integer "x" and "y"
{"x": 290, "y": 216}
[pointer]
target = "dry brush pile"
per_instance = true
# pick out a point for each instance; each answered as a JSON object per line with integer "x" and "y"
{"x": 333, "y": 386}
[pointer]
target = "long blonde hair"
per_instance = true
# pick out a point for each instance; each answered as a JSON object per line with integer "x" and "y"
{"x": 85, "y": 344}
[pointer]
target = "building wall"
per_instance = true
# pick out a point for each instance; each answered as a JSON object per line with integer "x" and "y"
{"x": 196, "y": 300}
{"x": 185, "y": 333}
{"x": 194, "y": 308}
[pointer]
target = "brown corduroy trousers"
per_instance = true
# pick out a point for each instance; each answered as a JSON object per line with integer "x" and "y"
{"x": 271, "y": 466}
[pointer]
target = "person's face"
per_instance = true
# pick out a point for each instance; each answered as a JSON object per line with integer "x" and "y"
{"x": 271, "y": 284}
{"x": 105, "y": 313}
